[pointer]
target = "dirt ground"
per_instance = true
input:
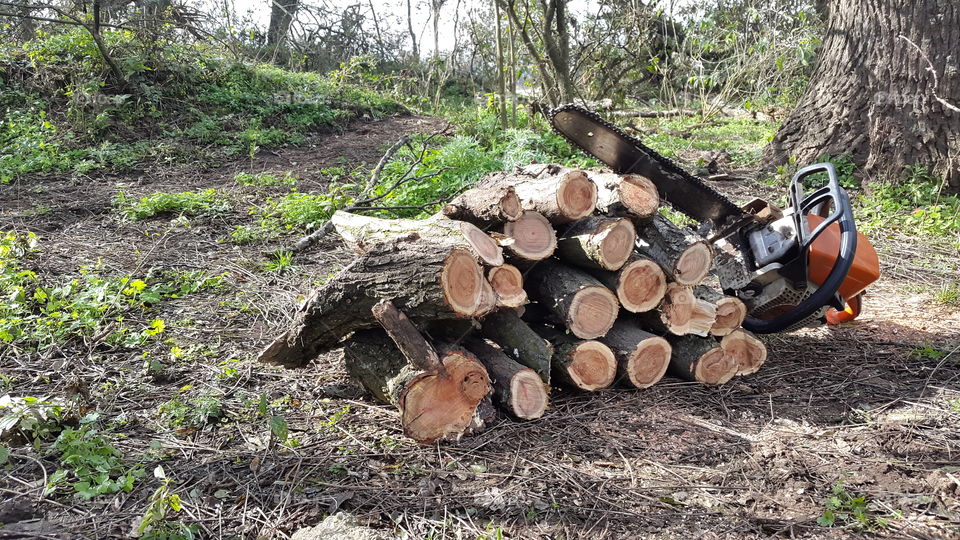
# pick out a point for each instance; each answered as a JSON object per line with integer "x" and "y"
{"x": 873, "y": 405}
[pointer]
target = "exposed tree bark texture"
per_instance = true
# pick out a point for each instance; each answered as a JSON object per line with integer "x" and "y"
{"x": 426, "y": 281}
{"x": 574, "y": 297}
{"x": 598, "y": 242}
{"x": 507, "y": 282}
{"x": 639, "y": 284}
{"x": 281, "y": 16}
{"x": 683, "y": 255}
{"x": 561, "y": 195}
{"x": 631, "y": 194}
{"x": 485, "y": 206}
{"x": 516, "y": 389}
{"x": 360, "y": 233}
{"x": 405, "y": 335}
{"x": 731, "y": 311}
{"x": 749, "y": 352}
{"x": 372, "y": 359}
{"x": 674, "y": 314}
{"x": 702, "y": 360}
{"x": 582, "y": 364}
{"x": 642, "y": 357}
{"x": 886, "y": 90}
{"x": 519, "y": 341}
{"x": 530, "y": 237}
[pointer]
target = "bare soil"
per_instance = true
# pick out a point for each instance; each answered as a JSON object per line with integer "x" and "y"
{"x": 874, "y": 404}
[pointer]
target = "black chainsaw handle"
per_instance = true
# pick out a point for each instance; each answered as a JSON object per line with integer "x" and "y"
{"x": 817, "y": 202}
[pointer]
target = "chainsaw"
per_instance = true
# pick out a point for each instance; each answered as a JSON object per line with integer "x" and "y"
{"x": 796, "y": 267}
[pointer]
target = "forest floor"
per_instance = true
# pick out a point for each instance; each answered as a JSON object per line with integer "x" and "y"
{"x": 861, "y": 419}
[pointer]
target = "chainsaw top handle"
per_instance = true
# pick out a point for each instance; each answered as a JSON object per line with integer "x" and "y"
{"x": 820, "y": 202}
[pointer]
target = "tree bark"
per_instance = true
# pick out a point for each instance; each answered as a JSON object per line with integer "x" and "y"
{"x": 516, "y": 389}
{"x": 684, "y": 256}
{"x": 562, "y": 197}
{"x": 405, "y": 335}
{"x": 501, "y": 81}
{"x": 642, "y": 357}
{"x": 426, "y": 281}
{"x": 486, "y": 205}
{"x": 886, "y": 91}
{"x": 360, "y": 233}
{"x": 601, "y": 243}
{"x": 519, "y": 341}
{"x": 373, "y": 360}
{"x": 281, "y": 16}
{"x": 702, "y": 360}
{"x": 574, "y": 297}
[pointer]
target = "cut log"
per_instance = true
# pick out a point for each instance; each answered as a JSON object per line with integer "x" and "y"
{"x": 519, "y": 341}
{"x": 582, "y": 364}
{"x": 702, "y": 360}
{"x": 702, "y": 319}
{"x": 642, "y": 358}
{"x": 516, "y": 389}
{"x": 507, "y": 282}
{"x": 530, "y": 237}
{"x": 427, "y": 281}
{"x": 731, "y": 311}
{"x": 561, "y": 197}
{"x": 683, "y": 255}
{"x": 630, "y": 194}
{"x": 575, "y": 298}
{"x": 639, "y": 284}
{"x": 675, "y": 313}
{"x": 749, "y": 352}
{"x": 485, "y": 205}
{"x": 360, "y": 233}
{"x": 434, "y": 405}
{"x": 598, "y": 242}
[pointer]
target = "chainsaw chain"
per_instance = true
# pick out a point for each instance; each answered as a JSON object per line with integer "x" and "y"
{"x": 664, "y": 161}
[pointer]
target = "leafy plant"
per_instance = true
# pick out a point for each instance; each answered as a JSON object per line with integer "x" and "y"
{"x": 91, "y": 466}
{"x": 280, "y": 261}
{"x": 34, "y": 419}
{"x": 208, "y": 202}
{"x": 265, "y": 179}
{"x": 153, "y": 524}
{"x": 845, "y": 510}
{"x": 191, "y": 412}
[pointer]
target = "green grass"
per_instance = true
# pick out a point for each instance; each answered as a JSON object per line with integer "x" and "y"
{"x": 266, "y": 179}
{"x": 190, "y": 203}
{"x": 743, "y": 138}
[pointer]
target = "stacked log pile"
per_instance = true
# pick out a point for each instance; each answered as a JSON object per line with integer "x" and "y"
{"x": 539, "y": 277}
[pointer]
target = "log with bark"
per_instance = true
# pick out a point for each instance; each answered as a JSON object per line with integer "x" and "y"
{"x": 559, "y": 194}
{"x": 439, "y": 403}
{"x": 747, "y": 350}
{"x": 427, "y": 281}
{"x": 702, "y": 360}
{"x": 485, "y": 206}
{"x": 519, "y": 341}
{"x": 630, "y": 195}
{"x": 683, "y": 255}
{"x": 582, "y": 364}
{"x": 598, "y": 242}
{"x": 507, "y": 283}
{"x": 730, "y": 310}
{"x": 639, "y": 284}
{"x": 642, "y": 357}
{"x": 516, "y": 389}
{"x": 529, "y": 238}
{"x": 576, "y": 299}
{"x": 360, "y": 233}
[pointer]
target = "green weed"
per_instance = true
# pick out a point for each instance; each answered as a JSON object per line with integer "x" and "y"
{"x": 281, "y": 261}
{"x": 308, "y": 210}
{"x": 266, "y": 179}
{"x": 191, "y": 412}
{"x": 33, "y": 419}
{"x": 916, "y": 205}
{"x": 91, "y": 466}
{"x": 948, "y": 294}
{"x": 845, "y": 510}
{"x": 208, "y": 202}
{"x": 153, "y": 524}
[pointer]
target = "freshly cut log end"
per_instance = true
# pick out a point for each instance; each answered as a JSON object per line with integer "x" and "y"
{"x": 507, "y": 282}
{"x": 749, "y": 352}
{"x": 510, "y": 206}
{"x": 642, "y": 358}
{"x": 528, "y": 398}
{"x": 562, "y": 196}
{"x": 731, "y": 312}
{"x": 586, "y": 365}
{"x": 441, "y": 406}
{"x": 639, "y": 195}
{"x": 703, "y": 318}
{"x": 648, "y": 363}
{"x": 465, "y": 289}
{"x": 693, "y": 264}
{"x": 483, "y": 244}
{"x": 677, "y": 308}
{"x": 530, "y": 237}
{"x": 702, "y": 360}
{"x": 640, "y": 285}
{"x": 598, "y": 242}
{"x": 485, "y": 205}
{"x": 592, "y": 313}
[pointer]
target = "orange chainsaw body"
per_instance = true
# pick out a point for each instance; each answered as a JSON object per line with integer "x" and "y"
{"x": 823, "y": 255}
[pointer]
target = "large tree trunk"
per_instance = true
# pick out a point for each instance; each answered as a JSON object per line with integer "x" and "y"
{"x": 281, "y": 16}
{"x": 886, "y": 90}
